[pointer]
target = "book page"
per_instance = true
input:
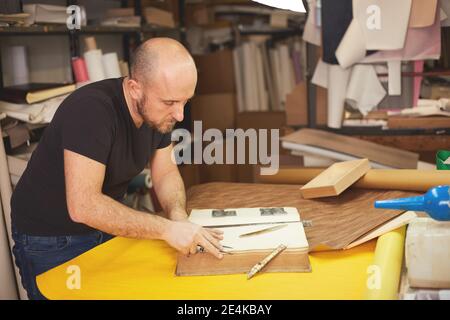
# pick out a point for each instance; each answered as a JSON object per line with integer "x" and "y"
{"x": 292, "y": 235}
{"x": 243, "y": 216}
{"x": 238, "y": 221}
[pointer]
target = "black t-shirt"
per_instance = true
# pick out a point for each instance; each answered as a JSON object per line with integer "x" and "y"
{"x": 93, "y": 121}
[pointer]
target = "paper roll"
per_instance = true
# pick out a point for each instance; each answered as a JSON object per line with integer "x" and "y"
{"x": 384, "y": 274}
{"x": 94, "y": 65}
{"x": 8, "y": 288}
{"x": 90, "y": 43}
{"x": 6, "y": 193}
{"x": 386, "y": 179}
{"x": 80, "y": 70}
{"x": 337, "y": 88}
{"x": 16, "y": 65}
{"x": 111, "y": 65}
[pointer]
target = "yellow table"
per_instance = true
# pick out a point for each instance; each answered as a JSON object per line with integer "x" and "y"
{"x": 142, "y": 269}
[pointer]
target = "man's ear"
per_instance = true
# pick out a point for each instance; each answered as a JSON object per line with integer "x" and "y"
{"x": 135, "y": 89}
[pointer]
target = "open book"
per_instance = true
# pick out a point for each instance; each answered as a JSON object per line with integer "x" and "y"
{"x": 249, "y": 234}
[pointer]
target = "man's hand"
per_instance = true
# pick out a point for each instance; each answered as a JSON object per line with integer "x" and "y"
{"x": 186, "y": 236}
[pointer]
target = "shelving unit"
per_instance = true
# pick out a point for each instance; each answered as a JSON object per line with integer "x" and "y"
{"x": 130, "y": 35}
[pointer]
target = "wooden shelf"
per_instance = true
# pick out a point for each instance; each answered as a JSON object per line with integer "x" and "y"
{"x": 378, "y": 131}
{"x": 62, "y": 29}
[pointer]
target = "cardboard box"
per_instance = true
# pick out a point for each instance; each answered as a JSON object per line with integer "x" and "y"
{"x": 159, "y": 17}
{"x": 214, "y": 110}
{"x": 190, "y": 174}
{"x": 438, "y": 92}
{"x": 297, "y": 106}
{"x": 218, "y": 172}
{"x": 199, "y": 15}
{"x": 258, "y": 120}
{"x": 167, "y": 5}
{"x": 321, "y": 106}
{"x": 215, "y": 72}
{"x": 261, "y": 120}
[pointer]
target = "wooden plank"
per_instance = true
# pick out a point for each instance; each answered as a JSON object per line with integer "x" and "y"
{"x": 423, "y": 123}
{"x": 348, "y": 145}
{"x": 334, "y": 180}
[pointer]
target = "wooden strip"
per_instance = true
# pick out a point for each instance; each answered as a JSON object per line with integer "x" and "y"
{"x": 334, "y": 180}
{"x": 423, "y": 123}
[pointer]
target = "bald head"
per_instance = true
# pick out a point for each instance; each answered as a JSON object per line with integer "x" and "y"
{"x": 163, "y": 79}
{"x": 160, "y": 55}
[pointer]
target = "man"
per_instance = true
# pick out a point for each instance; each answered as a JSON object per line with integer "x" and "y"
{"x": 104, "y": 134}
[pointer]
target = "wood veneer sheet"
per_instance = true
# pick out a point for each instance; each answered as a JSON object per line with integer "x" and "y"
{"x": 336, "y": 222}
{"x": 375, "y": 152}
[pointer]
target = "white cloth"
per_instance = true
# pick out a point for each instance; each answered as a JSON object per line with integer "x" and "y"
{"x": 41, "y": 112}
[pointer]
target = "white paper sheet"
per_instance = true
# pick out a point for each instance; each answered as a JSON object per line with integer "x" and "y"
{"x": 364, "y": 91}
{"x": 238, "y": 216}
{"x": 352, "y": 47}
{"x": 292, "y": 235}
{"x": 320, "y": 77}
{"x": 337, "y": 87}
{"x": 312, "y": 32}
{"x": 237, "y": 221}
{"x": 384, "y": 22}
{"x": 395, "y": 78}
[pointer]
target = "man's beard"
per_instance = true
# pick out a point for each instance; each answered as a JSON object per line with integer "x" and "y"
{"x": 162, "y": 127}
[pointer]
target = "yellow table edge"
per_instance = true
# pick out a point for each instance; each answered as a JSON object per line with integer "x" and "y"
{"x": 382, "y": 268}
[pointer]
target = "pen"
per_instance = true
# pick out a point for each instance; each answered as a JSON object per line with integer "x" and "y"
{"x": 257, "y": 267}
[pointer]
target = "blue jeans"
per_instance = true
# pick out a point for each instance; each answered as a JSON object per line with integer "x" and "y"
{"x": 35, "y": 254}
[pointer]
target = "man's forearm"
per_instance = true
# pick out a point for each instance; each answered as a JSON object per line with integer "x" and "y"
{"x": 108, "y": 215}
{"x": 171, "y": 195}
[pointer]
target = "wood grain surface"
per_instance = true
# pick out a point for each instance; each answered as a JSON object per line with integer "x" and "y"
{"x": 336, "y": 221}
